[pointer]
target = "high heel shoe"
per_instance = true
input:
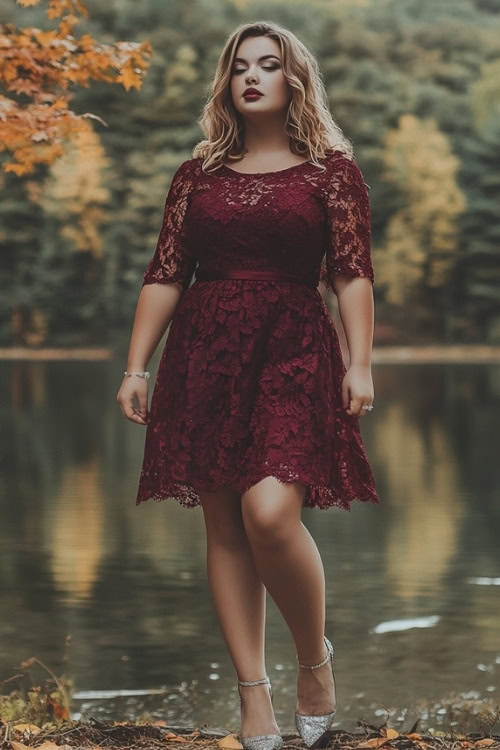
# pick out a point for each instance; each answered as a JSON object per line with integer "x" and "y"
{"x": 261, "y": 741}
{"x": 312, "y": 728}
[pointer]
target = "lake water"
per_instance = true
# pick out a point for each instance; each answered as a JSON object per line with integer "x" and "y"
{"x": 413, "y": 585}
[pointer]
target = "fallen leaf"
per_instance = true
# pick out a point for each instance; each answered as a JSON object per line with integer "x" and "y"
{"x": 27, "y": 727}
{"x": 229, "y": 742}
{"x": 390, "y": 733}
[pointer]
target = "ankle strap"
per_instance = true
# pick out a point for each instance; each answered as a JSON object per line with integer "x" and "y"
{"x": 265, "y": 680}
{"x": 322, "y": 662}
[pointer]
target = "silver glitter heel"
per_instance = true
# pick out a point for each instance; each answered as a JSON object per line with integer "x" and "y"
{"x": 312, "y": 728}
{"x": 261, "y": 741}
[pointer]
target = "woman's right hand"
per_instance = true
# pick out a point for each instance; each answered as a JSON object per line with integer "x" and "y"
{"x": 132, "y": 386}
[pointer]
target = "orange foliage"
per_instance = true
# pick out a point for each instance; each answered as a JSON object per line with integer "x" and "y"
{"x": 39, "y": 68}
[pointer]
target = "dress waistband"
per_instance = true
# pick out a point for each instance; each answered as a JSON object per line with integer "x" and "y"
{"x": 201, "y": 275}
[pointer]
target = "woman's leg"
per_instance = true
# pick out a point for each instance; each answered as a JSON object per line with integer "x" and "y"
{"x": 239, "y": 597}
{"x": 290, "y": 566}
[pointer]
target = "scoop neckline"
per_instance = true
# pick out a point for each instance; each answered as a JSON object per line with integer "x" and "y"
{"x": 275, "y": 171}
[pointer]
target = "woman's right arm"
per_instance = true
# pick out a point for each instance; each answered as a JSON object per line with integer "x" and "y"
{"x": 167, "y": 276}
{"x": 155, "y": 309}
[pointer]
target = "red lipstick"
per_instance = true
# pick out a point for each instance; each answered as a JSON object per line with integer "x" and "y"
{"x": 252, "y": 93}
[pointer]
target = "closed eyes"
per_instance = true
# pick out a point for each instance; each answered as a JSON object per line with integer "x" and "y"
{"x": 240, "y": 70}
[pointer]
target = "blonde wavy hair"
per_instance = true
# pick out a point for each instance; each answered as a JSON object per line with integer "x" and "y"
{"x": 310, "y": 126}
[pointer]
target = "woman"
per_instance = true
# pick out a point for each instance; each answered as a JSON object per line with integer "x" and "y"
{"x": 254, "y": 414}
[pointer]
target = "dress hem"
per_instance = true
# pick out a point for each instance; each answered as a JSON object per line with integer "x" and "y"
{"x": 187, "y": 495}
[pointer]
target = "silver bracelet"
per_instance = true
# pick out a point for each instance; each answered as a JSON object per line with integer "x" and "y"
{"x": 144, "y": 374}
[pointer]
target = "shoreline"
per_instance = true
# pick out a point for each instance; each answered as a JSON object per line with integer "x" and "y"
{"x": 428, "y": 353}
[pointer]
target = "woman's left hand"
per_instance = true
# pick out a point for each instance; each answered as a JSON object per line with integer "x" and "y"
{"x": 357, "y": 389}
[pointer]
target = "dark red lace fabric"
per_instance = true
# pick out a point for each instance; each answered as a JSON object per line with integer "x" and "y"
{"x": 249, "y": 382}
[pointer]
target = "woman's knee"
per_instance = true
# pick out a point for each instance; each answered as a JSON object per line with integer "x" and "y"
{"x": 271, "y": 510}
{"x": 222, "y": 512}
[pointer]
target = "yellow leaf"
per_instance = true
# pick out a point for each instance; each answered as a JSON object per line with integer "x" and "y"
{"x": 27, "y": 727}
{"x": 86, "y": 42}
{"x": 60, "y": 103}
{"x": 229, "y": 742}
{"x": 374, "y": 743}
{"x": 27, "y": 3}
{"x": 19, "y": 169}
{"x": 45, "y": 37}
{"x": 57, "y": 8}
{"x": 391, "y": 733}
{"x": 129, "y": 78}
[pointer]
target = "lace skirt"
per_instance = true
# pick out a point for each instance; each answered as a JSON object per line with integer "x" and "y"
{"x": 249, "y": 386}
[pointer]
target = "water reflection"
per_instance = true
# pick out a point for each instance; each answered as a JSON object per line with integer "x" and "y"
{"x": 409, "y": 611}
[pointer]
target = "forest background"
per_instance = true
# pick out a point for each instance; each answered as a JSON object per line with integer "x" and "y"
{"x": 415, "y": 86}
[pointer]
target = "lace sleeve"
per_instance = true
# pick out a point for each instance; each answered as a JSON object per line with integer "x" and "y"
{"x": 349, "y": 231}
{"x": 171, "y": 262}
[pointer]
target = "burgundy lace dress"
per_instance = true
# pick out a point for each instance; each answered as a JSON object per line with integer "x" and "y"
{"x": 249, "y": 381}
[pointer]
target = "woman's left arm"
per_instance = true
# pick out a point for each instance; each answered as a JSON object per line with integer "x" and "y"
{"x": 356, "y": 309}
{"x": 347, "y": 269}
